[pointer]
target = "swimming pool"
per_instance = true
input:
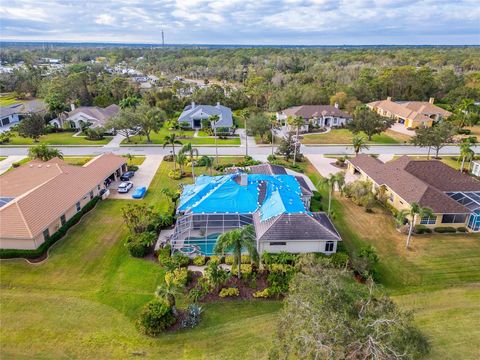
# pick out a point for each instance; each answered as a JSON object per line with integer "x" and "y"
{"x": 206, "y": 244}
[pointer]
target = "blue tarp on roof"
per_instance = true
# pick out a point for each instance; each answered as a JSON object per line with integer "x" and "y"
{"x": 224, "y": 194}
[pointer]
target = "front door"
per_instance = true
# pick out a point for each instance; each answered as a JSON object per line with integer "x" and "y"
{"x": 197, "y": 123}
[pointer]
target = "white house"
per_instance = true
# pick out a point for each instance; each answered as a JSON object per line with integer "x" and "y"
{"x": 194, "y": 114}
{"x": 93, "y": 115}
{"x": 315, "y": 115}
{"x": 9, "y": 115}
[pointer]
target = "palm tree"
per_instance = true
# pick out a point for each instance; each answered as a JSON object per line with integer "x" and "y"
{"x": 359, "y": 143}
{"x": 274, "y": 126}
{"x": 130, "y": 158}
{"x": 207, "y": 161}
{"x": 44, "y": 153}
{"x": 181, "y": 160}
{"x": 213, "y": 119}
{"x": 415, "y": 211}
{"x": 244, "y": 114}
{"x": 400, "y": 217}
{"x": 236, "y": 240}
{"x": 331, "y": 181}
{"x": 296, "y": 121}
{"x": 172, "y": 140}
{"x": 464, "y": 111}
{"x": 168, "y": 290}
{"x": 192, "y": 155}
{"x": 466, "y": 152}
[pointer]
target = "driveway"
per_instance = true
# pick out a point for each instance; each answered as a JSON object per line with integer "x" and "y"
{"x": 400, "y": 128}
{"x": 5, "y": 164}
{"x": 143, "y": 177}
{"x": 325, "y": 168}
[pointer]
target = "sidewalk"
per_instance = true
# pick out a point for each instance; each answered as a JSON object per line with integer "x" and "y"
{"x": 7, "y": 163}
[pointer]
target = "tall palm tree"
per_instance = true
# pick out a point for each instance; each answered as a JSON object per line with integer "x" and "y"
{"x": 464, "y": 112}
{"x": 416, "y": 211}
{"x": 207, "y": 161}
{"x": 296, "y": 121}
{"x": 44, "y": 153}
{"x": 244, "y": 114}
{"x": 192, "y": 156}
{"x": 172, "y": 140}
{"x": 236, "y": 240}
{"x": 359, "y": 143}
{"x": 213, "y": 119}
{"x": 274, "y": 125}
{"x": 331, "y": 181}
{"x": 466, "y": 152}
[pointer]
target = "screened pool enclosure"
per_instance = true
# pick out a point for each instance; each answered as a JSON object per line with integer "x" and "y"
{"x": 197, "y": 234}
{"x": 471, "y": 200}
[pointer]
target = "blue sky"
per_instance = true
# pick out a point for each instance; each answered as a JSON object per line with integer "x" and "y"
{"x": 308, "y": 22}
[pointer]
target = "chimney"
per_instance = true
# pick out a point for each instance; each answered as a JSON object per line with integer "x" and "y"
{"x": 243, "y": 179}
{"x": 431, "y": 100}
{"x": 193, "y": 105}
{"x": 336, "y": 105}
{"x": 72, "y": 106}
{"x": 389, "y": 98}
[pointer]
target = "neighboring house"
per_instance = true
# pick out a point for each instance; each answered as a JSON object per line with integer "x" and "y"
{"x": 36, "y": 199}
{"x": 453, "y": 197}
{"x": 412, "y": 114}
{"x": 271, "y": 203}
{"x": 93, "y": 115}
{"x": 315, "y": 115}
{"x": 10, "y": 115}
{"x": 476, "y": 168}
{"x": 269, "y": 169}
{"x": 193, "y": 114}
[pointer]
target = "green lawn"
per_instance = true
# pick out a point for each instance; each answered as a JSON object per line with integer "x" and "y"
{"x": 159, "y": 137}
{"x": 61, "y": 138}
{"x": 344, "y": 136}
{"x": 82, "y": 160}
{"x": 8, "y": 99}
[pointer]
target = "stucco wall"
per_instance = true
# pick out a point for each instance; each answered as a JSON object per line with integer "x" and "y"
{"x": 297, "y": 246}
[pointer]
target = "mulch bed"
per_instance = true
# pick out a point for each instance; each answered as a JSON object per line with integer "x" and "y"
{"x": 343, "y": 166}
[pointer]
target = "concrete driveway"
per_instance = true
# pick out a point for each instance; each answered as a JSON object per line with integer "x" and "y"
{"x": 143, "y": 177}
{"x": 5, "y": 164}
{"x": 325, "y": 168}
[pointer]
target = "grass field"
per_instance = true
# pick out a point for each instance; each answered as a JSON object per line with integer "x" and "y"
{"x": 344, "y": 136}
{"x": 8, "y": 99}
{"x": 159, "y": 137}
{"x": 61, "y": 138}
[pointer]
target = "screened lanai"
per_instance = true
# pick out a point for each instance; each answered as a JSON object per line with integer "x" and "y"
{"x": 471, "y": 200}
{"x": 197, "y": 233}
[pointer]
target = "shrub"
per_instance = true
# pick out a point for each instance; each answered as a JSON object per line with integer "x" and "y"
{"x": 339, "y": 260}
{"x": 265, "y": 293}
{"x": 365, "y": 262}
{"x": 199, "y": 260}
{"x": 177, "y": 276}
{"x": 32, "y": 254}
{"x": 462, "y": 229}
{"x": 217, "y": 259}
{"x": 279, "y": 278}
{"x": 132, "y": 167}
{"x": 175, "y": 174}
{"x": 180, "y": 259}
{"x": 445, "y": 229}
{"x": 280, "y": 258}
{"x": 138, "y": 244}
{"x": 168, "y": 158}
{"x": 214, "y": 274}
{"x": 155, "y": 318}
{"x": 229, "y": 259}
{"x": 15, "y": 164}
{"x": 271, "y": 158}
{"x": 246, "y": 270}
{"x": 245, "y": 259}
{"x": 193, "y": 316}
{"x": 464, "y": 131}
{"x": 229, "y": 292}
{"x": 422, "y": 229}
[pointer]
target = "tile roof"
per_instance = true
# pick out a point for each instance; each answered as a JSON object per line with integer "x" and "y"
{"x": 415, "y": 110}
{"x": 44, "y": 191}
{"x": 311, "y": 111}
{"x": 102, "y": 115}
{"x": 423, "y": 181}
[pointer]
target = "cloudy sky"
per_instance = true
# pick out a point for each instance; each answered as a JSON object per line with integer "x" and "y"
{"x": 308, "y": 22}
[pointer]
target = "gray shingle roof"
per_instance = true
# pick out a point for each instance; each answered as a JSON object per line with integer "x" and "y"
{"x": 311, "y": 111}
{"x": 205, "y": 111}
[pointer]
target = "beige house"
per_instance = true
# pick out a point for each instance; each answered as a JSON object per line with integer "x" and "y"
{"x": 36, "y": 199}
{"x": 412, "y": 114}
{"x": 453, "y": 197}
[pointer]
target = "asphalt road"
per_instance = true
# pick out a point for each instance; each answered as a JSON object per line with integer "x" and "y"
{"x": 234, "y": 150}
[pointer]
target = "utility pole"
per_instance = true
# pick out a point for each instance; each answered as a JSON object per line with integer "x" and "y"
{"x": 246, "y": 138}
{"x": 163, "y": 39}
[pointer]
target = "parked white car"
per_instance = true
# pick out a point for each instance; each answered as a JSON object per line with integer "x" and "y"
{"x": 125, "y": 187}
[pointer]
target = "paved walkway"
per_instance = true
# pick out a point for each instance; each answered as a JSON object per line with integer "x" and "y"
{"x": 115, "y": 142}
{"x": 7, "y": 163}
{"x": 244, "y": 139}
{"x": 325, "y": 168}
{"x": 143, "y": 176}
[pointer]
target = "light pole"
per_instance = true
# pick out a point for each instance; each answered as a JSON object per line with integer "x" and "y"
{"x": 246, "y": 137}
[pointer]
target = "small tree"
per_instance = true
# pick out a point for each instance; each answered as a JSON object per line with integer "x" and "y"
{"x": 155, "y": 318}
{"x": 207, "y": 161}
{"x": 423, "y": 138}
{"x": 416, "y": 211}
{"x": 192, "y": 156}
{"x": 332, "y": 181}
{"x": 466, "y": 152}
{"x": 43, "y": 152}
{"x": 236, "y": 240}
{"x": 359, "y": 143}
{"x": 288, "y": 147}
{"x": 172, "y": 140}
{"x": 32, "y": 126}
{"x": 138, "y": 217}
{"x": 124, "y": 122}
{"x": 258, "y": 124}
{"x": 168, "y": 290}
{"x": 150, "y": 119}
{"x": 369, "y": 122}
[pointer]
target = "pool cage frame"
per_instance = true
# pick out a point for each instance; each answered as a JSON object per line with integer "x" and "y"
{"x": 200, "y": 226}
{"x": 471, "y": 200}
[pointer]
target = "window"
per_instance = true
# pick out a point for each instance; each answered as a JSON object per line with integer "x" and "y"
{"x": 329, "y": 246}
{"x": 277, "y": 243}
{"x": 428, "y": 220}
{"x": 46, "y": 234}
{"x": 78, "y": 206}
{"x": 91, "y": 195}
{"x": 63, "y": 220}
{"x": 453, "y": 218}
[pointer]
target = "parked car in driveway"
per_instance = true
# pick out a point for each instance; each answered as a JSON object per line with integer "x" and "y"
{"x": 125, "y": 187}
{"x": 127, "y": 176}
{"x": 139, "y": 192}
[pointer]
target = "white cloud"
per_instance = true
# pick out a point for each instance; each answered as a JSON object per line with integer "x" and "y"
{"x": 105, "y": 19}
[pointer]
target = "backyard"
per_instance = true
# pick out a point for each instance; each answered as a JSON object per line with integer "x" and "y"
{"x": 344, "y": 136}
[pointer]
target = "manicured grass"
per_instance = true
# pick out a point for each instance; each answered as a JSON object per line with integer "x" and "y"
{"x": 8, "y": 99}
{"x": 159, "y": 137}
{"x": 344, "y": 136}
{"x": 61, "y": 138}
{"x": 2, "y": 158}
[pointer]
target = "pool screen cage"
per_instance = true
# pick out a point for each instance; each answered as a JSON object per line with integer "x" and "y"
{"x": 471, "y": 200}
{"x": 201, "y": 227}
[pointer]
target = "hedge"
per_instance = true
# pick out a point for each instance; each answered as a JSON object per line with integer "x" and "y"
{"x": 33, "y": 254}
{"x": 445, "y": 229}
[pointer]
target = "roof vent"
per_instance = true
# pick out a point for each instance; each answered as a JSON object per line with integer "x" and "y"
{"x": 243, "y": 179}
